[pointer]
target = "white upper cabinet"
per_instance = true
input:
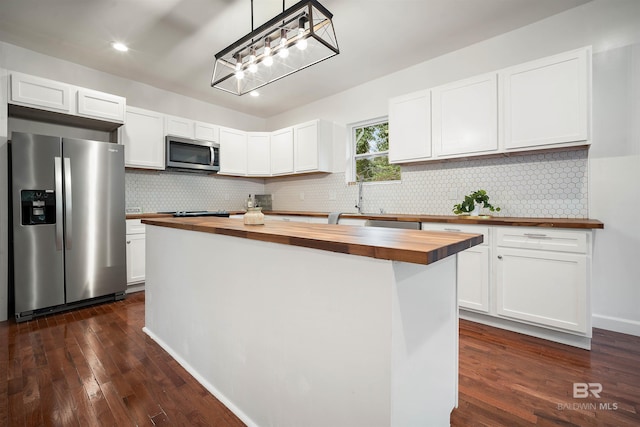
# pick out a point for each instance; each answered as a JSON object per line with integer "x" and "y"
{"x": 37, "y": 92}
{"x": 282, "y": 151}
{"x": 143, "y": 139}
{"x": 100, "y": 105}
{"x": 313, "y": 145}
{"x": 49, "y": 95}
{"x": 179, "y": 126}
{"x": 207, "y": 132}
{"x": 410, "y": 127}
{"x": 233, "y": 152}
{"x": 259, "y": 154}
{"x": 546, "y": 102}
{"x": 465, "y": 116}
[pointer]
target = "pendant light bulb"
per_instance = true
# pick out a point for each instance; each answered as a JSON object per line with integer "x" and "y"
{"x": 267, "y": 58}
{"x": 253, "y": 67}
{"x": 302, "y": 42}
{"x": 239, "y": 72}
{"x": 283, "y": 52}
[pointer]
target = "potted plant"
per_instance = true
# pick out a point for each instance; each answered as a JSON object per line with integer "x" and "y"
{"x": 472, "y": 204}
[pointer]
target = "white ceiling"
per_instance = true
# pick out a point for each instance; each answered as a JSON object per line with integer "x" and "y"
{"x": 173, "y": 42}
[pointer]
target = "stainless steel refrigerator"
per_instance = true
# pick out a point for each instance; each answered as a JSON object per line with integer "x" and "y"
{"x": 68, "y": 223}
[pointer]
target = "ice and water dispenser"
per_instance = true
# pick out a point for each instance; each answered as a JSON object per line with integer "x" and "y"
{"x": 38, "y": 207}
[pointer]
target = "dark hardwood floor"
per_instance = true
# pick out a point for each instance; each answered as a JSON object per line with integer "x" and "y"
{"x": 95, "y": 367}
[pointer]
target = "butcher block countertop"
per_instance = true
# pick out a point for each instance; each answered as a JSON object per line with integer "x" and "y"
{"x": 419, "y": 247}
{"x": 452, "y": 219}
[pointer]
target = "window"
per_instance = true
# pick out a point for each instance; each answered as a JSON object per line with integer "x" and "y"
{"x": 371, "y": 152}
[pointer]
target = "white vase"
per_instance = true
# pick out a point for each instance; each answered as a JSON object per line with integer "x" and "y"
{"x": 475, "y": 211}
{"x": 254, "y": 216}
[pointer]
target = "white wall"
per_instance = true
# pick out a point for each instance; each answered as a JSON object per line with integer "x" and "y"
{"x": 614, "y": 164}
{"x": 612, "y": 27}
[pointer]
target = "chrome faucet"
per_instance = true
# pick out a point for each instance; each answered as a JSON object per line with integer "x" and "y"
{"x": 359, "y": 204}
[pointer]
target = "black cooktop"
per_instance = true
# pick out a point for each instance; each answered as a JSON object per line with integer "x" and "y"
{"x": 220, "y": 213}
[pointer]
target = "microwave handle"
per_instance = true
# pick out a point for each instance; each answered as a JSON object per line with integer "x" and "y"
{"x": 213, "y": 155}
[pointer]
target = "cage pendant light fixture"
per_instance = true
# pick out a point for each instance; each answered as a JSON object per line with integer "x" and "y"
{"x": 299, "y": 37}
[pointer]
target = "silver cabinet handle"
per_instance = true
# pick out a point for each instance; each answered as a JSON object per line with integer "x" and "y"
{"x": 57, "y": 167}
{"x": 535, "y": 235}
{"x": 452, "y": 229}
{"x": 499, "y": 256}
{"x": 68, "y": 216}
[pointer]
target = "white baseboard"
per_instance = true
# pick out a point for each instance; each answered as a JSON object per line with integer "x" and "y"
{"x": 616, "y": 324}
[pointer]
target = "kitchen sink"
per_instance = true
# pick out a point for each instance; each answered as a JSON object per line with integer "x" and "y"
{"x": 406, "y": 225}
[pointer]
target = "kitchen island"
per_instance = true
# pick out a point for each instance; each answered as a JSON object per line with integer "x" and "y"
{"x": 309, "y": 324}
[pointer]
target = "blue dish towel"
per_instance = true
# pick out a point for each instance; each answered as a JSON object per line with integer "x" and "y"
{"x": 333, "y": 217}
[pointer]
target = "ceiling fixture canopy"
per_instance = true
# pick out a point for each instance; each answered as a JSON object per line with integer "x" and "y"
{"x": 297, "y": 38}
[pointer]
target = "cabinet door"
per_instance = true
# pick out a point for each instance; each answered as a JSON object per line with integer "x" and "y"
{"x": 143, "y": 139}
{"x": 135, "y": 258}
{"x": 282, "y": 152}
{"x": 233, "y": 152}
{"x": 259, "y": 154}
{"x": 41, "y": 93}
{"x": 100, "y": 105}
{"x": 206, "y": 132}
{"x": 473, "y": 266}
{"x": 548, "y": 288}
{"x": 179, "y": 126}
{"x": 305, "y": 139}
{"x": 546, "y": 102}
{"x": 473, "y": 278}
{"x": 410, "y": 127}
{"x": 465, "y": 116}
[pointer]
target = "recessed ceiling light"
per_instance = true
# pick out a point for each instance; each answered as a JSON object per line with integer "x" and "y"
{"x": 254, "y": 93}
{"x": 119, "y": 46}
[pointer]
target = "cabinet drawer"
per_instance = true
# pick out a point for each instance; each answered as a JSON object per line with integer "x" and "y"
{"x": 543, "y": 239}
{"x": 455, "y": 228}
{"x": 135, "y": 226}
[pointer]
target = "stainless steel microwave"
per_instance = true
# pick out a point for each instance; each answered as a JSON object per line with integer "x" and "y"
{"x": 191, "y": 155}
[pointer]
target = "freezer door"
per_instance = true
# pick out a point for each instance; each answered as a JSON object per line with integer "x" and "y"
{"x": 37, "y": 243}
{"x": 94, "y": 219}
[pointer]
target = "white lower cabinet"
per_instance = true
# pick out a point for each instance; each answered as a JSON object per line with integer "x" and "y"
{"x": 530, "y": 280}
{"x": 473, "y": 278}
{"x": 135, "y": 254}
{"x": 473, "y": 267}
{"x": 542, "y": 286}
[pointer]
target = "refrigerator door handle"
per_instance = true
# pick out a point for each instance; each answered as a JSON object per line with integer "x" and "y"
{"x": 57, "y": 167}
{"x": 68, "y": 219}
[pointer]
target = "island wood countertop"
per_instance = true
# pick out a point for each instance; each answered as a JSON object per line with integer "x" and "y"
{"x": 419, "y": 247}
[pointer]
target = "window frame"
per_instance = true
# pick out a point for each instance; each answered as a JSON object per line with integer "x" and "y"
{"x": 355, "y": 157}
